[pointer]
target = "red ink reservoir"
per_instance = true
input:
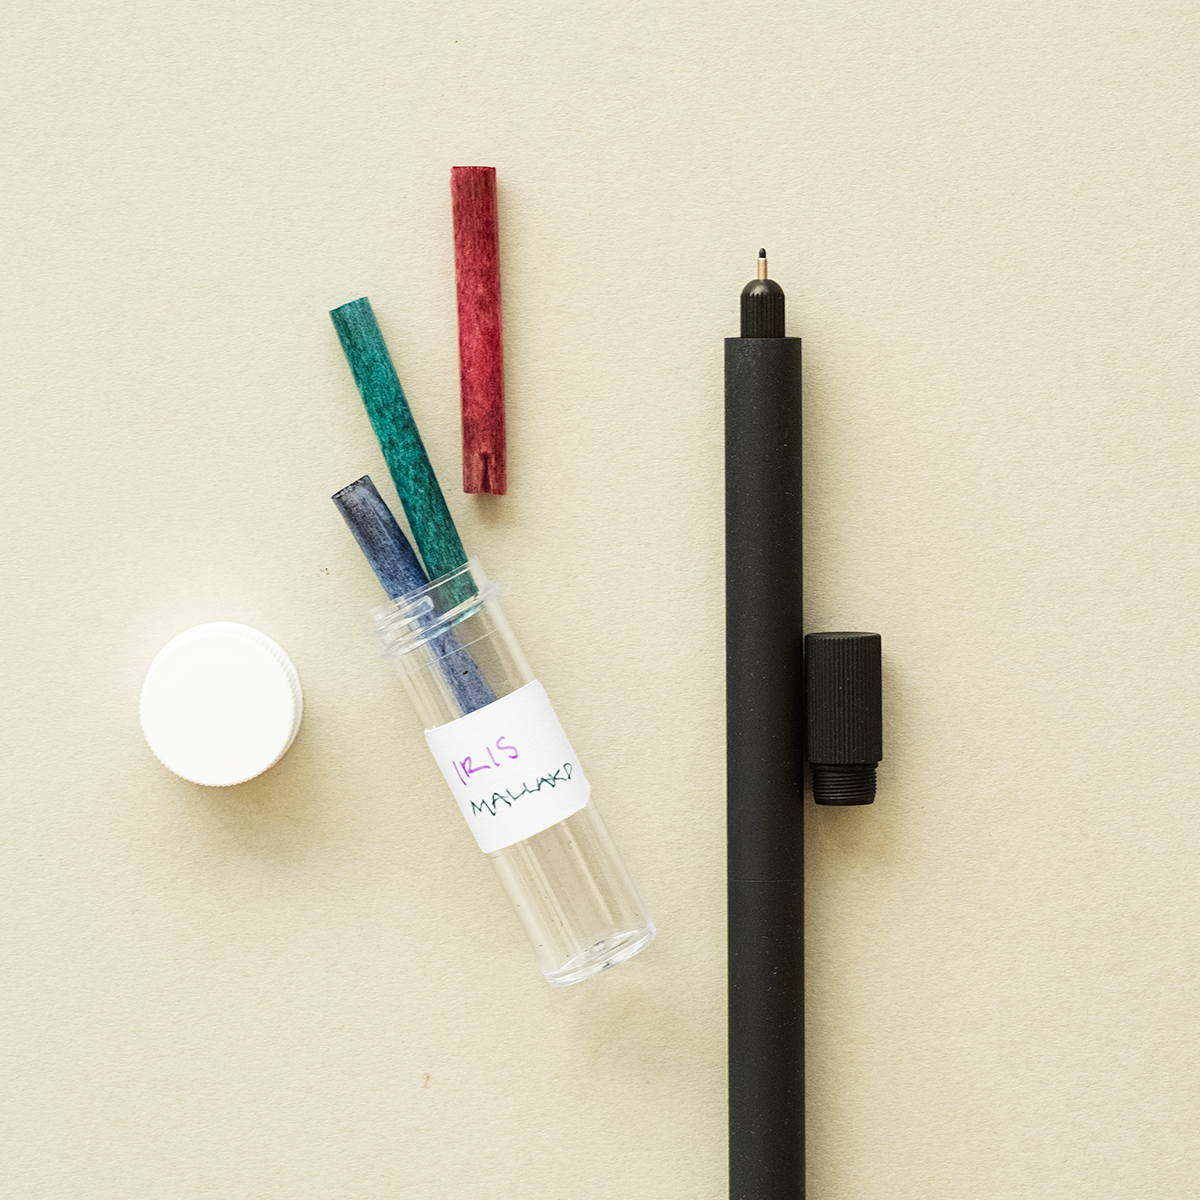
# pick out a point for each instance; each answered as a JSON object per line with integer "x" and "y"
{"x": 514, "y": 775}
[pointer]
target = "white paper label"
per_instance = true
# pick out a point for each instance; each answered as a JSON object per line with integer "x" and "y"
{"x": 510, "y": 767}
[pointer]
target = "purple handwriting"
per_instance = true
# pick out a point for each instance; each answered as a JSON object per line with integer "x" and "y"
{"x": 466, "y": 767}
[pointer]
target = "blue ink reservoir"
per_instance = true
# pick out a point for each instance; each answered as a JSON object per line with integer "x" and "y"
{"x": 513, "y": 773}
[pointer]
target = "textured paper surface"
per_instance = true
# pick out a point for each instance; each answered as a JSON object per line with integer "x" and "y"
{"x": 311, "y": 986}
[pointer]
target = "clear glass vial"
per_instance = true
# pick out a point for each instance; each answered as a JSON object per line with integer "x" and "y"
{"x": 455, "y": 653}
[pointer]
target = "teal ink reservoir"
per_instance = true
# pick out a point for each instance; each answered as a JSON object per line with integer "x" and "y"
{"x": 513, "y": 773}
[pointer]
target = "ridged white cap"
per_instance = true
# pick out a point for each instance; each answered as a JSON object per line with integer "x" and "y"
{"x": 221, "y": 703}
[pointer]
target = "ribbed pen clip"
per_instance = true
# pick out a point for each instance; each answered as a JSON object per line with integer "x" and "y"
{"x": 843, "y": 679}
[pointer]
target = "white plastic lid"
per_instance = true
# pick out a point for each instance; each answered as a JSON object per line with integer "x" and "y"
{"x": 221, "y": 703}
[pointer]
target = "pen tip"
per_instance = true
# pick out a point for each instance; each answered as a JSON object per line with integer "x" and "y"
{"x": 762, "y": 305}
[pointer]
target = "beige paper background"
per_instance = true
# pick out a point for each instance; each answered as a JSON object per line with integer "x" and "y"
{"x": 310, "y": 986}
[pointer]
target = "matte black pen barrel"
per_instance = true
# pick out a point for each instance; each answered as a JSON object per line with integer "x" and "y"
{"x": 765, "y": 768}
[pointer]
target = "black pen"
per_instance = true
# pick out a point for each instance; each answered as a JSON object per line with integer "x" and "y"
{"x": 764, "y": 752}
